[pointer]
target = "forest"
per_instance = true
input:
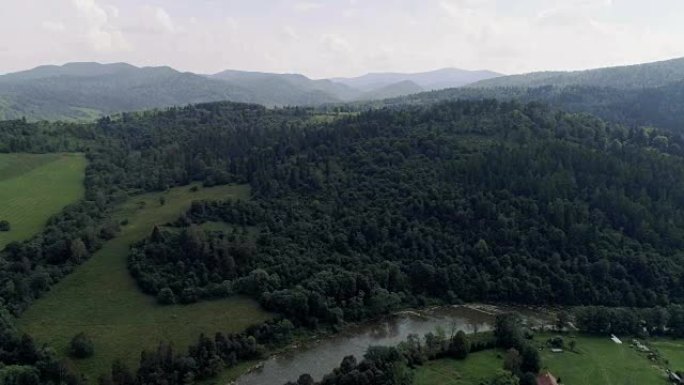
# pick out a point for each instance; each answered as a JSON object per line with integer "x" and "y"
{"x": 356, "y": 216}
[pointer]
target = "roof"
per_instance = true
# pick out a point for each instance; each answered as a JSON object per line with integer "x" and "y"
{"x": 546, "y": 379}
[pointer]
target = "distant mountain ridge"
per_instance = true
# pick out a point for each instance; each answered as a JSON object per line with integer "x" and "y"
{"x": 78, "y": 91}
{"x": 650, "y": 94}
{"x": 432, "y": 80}
{"x": 644, "y": 75}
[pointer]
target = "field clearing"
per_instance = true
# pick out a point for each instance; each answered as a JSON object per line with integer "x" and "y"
{"x": 597, "y": 361}
{"x": 34, "y": 187}
{"x": 101, "y": 298}
{"x": 672, "y": 350}
{"x": 600, "y": 361}
{"x": 476, "y": 368}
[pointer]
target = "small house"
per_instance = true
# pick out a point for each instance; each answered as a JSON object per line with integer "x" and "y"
{"x": 546, "y": 379}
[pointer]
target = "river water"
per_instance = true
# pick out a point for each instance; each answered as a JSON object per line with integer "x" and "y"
{"x": 321, "y": 357}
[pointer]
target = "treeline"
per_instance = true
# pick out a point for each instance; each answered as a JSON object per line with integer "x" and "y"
{"x": 204, "y": 359}
{"x": 393, "y": 365}
{"x": 657, "y": 106}
{"x": 641, "y": 322}
{"x": 44, "y": 137}
{"x": 25, "y": 363}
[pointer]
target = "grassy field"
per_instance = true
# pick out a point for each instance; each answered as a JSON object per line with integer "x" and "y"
{"x": 672, "y": 350}
{"x": 597, "y": 361}
{"x": 35, "y": 187}
{"x": 600, "y": 361}
{"x": 476, "y": 368}
{"x": 101, "y": 299}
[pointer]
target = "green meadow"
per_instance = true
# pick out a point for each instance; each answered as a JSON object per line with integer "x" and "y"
{"x": 595, "y": 361}
{"x": 33, "y": 187}
{"x": 101, "y": 299}
{"x": 478, "y": 367}
{"x": 600, "y": 361}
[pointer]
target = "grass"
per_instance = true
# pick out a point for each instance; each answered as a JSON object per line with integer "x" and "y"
{"x": 101, "y": 299}
{"x": 597, "y": 361}
{"x": 476, "y": 368}
{"x": 672, "y": 351}
{"x": 600, "y": 361}
{"x": 35, "y": 187}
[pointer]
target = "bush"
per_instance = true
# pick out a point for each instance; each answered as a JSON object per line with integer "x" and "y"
{"x": 4, "y": 226}
{"x": 166, "y": 296}
{"x": 81, "y": 346}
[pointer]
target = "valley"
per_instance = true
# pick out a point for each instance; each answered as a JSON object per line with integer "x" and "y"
{"x": 353, "y": 208}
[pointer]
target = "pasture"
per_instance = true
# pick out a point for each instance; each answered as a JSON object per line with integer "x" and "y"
{"x": 600, "y": 361}
{"x": 34, "y": 187}
{"x": 478, "y": 367}
{"x": 101, "y": 298}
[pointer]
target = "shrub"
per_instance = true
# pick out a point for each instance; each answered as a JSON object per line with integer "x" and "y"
{"x": 81, "y": 346}
{"x": 166, "y": 296}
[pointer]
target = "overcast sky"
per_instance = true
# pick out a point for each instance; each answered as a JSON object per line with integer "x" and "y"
{"x": 325, "y": 38}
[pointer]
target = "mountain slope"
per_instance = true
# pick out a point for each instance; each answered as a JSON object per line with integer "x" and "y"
{"x": 393, "y": 90}
{"x": 633, "y": 76}
{"x": 83, "y": 90}
{"x": 432, "y": 80}
{"x": 288, "y": 89}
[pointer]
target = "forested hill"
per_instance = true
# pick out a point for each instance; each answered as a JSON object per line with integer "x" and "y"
{"x": 352, "y": 216}
{"x": 659, "y": 106}
{"x": 646, "y": 75}
{"x": 647, "y": 94}
{"x": 466, "y": 201}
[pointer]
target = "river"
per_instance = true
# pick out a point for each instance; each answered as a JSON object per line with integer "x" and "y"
{"x": 321, "y": 357}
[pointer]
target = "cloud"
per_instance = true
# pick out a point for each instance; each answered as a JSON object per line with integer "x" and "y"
{"x": 336, "y": 43}
{"x": 290, "y": 33}
{"x": 53, "y": 26}
{"x": 306, "y": 6}
{"x": 349, "y": 38}
{"x": 150, "y": 20}
{"x": 100, "y": 32}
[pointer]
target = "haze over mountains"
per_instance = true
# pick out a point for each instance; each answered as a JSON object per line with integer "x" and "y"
{"x": 77, "y": 91}
{"x": 645, "y": 75}
{"x": 643, "y": 94}
{"x": 650, "y": 93}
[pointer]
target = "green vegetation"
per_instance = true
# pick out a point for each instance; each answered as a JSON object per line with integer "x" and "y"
{"x": 81, "y": 346}
{"x": 356, "y": 217}
{"x": 35, "y": 187}
{"x": 101, "y": 299}
{"x": 672, "y": 350}
{"x": 475, "y": 369}
{"x": 596, "y": 361}
{"x": 600, "y": 361}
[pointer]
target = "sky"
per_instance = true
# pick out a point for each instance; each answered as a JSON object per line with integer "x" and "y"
{"x": 328, "y": 38}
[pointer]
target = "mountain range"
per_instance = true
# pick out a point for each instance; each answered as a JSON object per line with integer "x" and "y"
{"x": 650, "y": 94}
{"x": 81, "y": 91}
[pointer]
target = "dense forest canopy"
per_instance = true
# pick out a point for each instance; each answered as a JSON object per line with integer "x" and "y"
{"x": 354, "y": 215}
{"x": 455, "y": 202}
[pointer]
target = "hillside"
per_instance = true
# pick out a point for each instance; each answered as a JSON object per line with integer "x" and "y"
{"x": 87, "y": 90}
{"x": 354, "y": 216}
{"x": 658, "y": 106}
{"x": 288, "y": 89}
{"x": 646, "y": 75}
